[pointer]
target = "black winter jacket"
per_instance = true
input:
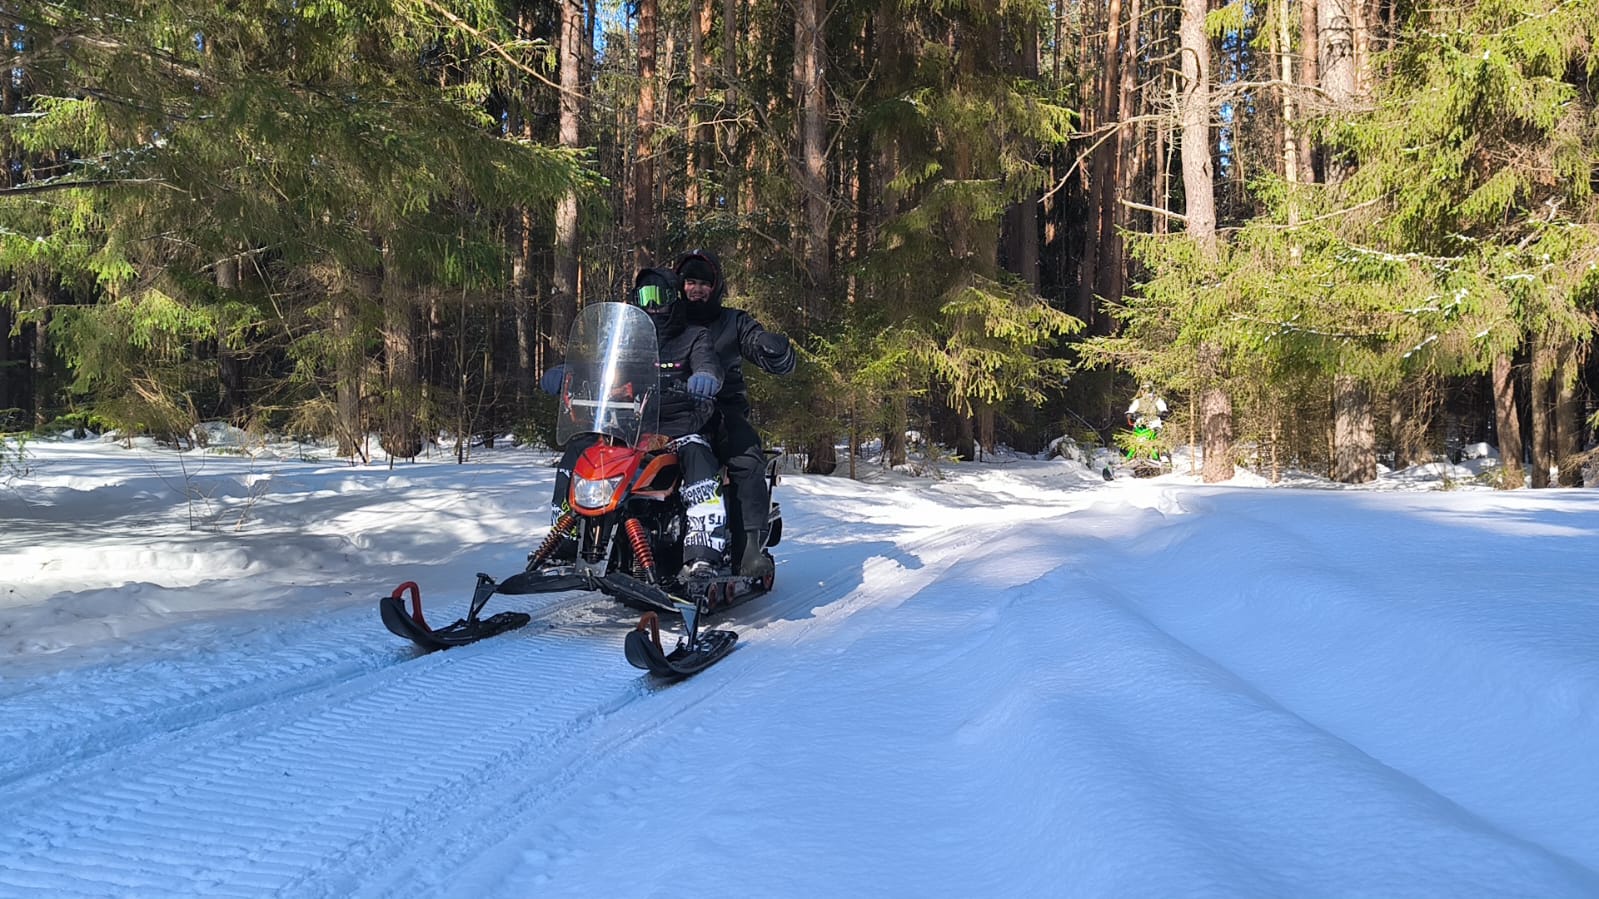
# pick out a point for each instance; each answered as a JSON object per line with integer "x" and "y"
{"x": 735, "y": 335}
{"x": 682, "y": 354}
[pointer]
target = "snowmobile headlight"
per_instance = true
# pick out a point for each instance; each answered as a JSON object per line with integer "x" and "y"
{"x": 594, "y": 494}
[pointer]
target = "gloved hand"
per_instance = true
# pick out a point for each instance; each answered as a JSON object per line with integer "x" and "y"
{"x": 550, "y": 382}
{"x": 703, "y": 383}
{"x": 771, "y": 344}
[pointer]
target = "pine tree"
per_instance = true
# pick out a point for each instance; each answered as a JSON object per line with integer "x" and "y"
{"x": 1481, "y": 154}
{"x": 301, "y": 140}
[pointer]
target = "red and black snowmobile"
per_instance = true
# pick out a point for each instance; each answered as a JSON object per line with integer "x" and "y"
{"x": 622, "y": 534}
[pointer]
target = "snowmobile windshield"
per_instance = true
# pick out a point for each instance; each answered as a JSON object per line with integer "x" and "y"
{"x": 613, "y": 375}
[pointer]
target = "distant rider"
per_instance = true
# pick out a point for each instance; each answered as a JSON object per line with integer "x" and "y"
{"x": 1146, "y": 410}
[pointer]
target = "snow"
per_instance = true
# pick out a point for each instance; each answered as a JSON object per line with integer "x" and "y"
{"x": 1015, "y": 679}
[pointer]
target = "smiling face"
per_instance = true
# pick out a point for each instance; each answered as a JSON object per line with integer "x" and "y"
{"x": 698, "y": 291}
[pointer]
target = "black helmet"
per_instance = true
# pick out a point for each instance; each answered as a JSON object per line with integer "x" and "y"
{"x": 659, "y": 291}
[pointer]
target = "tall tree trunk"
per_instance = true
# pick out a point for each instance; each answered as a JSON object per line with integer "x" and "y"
{"x": 566, "y": 216}
{"x": 11, "y": 375}
{"x": 1354, "y": 431}
{"x": 39, "y": 367}
{"x": 230, "y": 368}
{"x": 1568, "y": 413}
{"x": 1507, "y": 421}
{"x": 752, "y": 166}
{"x": 699, "y": 134}
{"x": 1021, "y": 220}
{"x": 1543, "y": 423}
{"x": 1107, "y": 157}
{"x": 986, "y": 439}
{"x": 1340, "y": 82}
{"x": 1054, "y": 245}
{"x": 815, "y": 246}
{"x": 642, "y": 225}
{"x": 1410, "y": 420}
{"x": 526, "y": 313}
{"x": 894, "y": 449}
{"x": 401, "y": 437}
{"x": 1354, "y": 456}
{"x": 1199, "y": 181}
{"x": 1199, "y": 191}
{"x": 8, "y": 377}
{"x": 965, "y": 443}
{"x": 1291, "y": 169}
{"x": 811, "y": 107}
{"x": 1102, "y": 176}
{"x": 1129, "y": 143}
{"x": 1160, "y": 188}
{"x": 730, "y": 103}
{"x": 348, "y": 361}
{"x": 1309, "y": 75}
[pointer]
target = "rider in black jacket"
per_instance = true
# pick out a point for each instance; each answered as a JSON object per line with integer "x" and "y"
{"x": 691, "y": 374}
{"x": 737, "y": 336}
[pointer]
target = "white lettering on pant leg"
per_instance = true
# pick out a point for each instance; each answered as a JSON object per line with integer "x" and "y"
{"x": 707, "y": 517}
{"x": 700, "y": 491}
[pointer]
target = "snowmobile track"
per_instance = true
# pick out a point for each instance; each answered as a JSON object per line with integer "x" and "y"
{"x": 209, "y": 755}
{"x": 456, "y": 727}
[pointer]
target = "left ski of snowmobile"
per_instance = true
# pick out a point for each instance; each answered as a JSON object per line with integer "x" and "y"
{"x": 414, "y": 627}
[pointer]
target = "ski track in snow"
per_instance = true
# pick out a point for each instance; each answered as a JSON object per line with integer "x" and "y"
{"x": 333, "y": 761}
{"x": 1148, "y": 708}
{"x": 392, "y": 742}
{"x": 210, "y": 753}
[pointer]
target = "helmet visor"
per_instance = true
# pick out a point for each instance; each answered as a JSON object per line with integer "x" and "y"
{"x": 652, "y": 297}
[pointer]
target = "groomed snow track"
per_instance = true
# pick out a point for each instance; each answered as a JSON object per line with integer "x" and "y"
{"x": 175, "y": 775}
{"x": 208, "y": 756}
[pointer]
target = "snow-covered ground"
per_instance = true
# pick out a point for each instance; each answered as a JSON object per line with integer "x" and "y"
{"x": 1018, "y": 680}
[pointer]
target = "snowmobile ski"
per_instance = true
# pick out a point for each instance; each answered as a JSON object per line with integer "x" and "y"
{"x": 414, "y": 627}
{"x": 693, "y": 654}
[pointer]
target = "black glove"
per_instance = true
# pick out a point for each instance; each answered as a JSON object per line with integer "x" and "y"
{"x": 771, "y": 344}
{"x": 551, "y": 381}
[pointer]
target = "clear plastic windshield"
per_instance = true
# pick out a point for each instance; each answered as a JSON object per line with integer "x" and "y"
{"x": 612, "y": 375}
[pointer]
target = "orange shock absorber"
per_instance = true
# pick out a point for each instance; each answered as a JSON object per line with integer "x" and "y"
{"x": 562, "y": 528}
{"x": 641, "y": 547}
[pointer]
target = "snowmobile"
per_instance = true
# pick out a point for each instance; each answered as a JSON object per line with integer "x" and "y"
{"x": 1141, "y": 453}
{"x": 621, "y": 533}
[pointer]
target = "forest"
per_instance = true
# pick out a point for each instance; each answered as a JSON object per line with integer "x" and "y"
{"x": 1333, "y": 234}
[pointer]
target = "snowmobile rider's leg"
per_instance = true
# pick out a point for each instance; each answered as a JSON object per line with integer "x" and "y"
{"x": 739, "y": 448}
{"x": 706, "y": 540}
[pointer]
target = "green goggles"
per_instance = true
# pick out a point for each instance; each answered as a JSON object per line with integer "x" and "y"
{"x": 653, "y": 296}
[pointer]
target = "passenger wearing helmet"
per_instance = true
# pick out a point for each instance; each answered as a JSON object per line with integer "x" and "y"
{"x": 737, "y": 337}
{"x": 690, "y": 378}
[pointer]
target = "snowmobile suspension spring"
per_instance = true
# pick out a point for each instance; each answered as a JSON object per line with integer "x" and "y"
{"x": 561, "y": 530}
{"x": 641, "y": 546}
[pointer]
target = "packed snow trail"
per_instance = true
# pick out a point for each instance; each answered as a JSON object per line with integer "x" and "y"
{"x": 1007, "y": 684}
{"x": 1053, "y": 737}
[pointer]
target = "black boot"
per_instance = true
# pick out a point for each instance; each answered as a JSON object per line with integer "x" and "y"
{"x": 753, "y": 562}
